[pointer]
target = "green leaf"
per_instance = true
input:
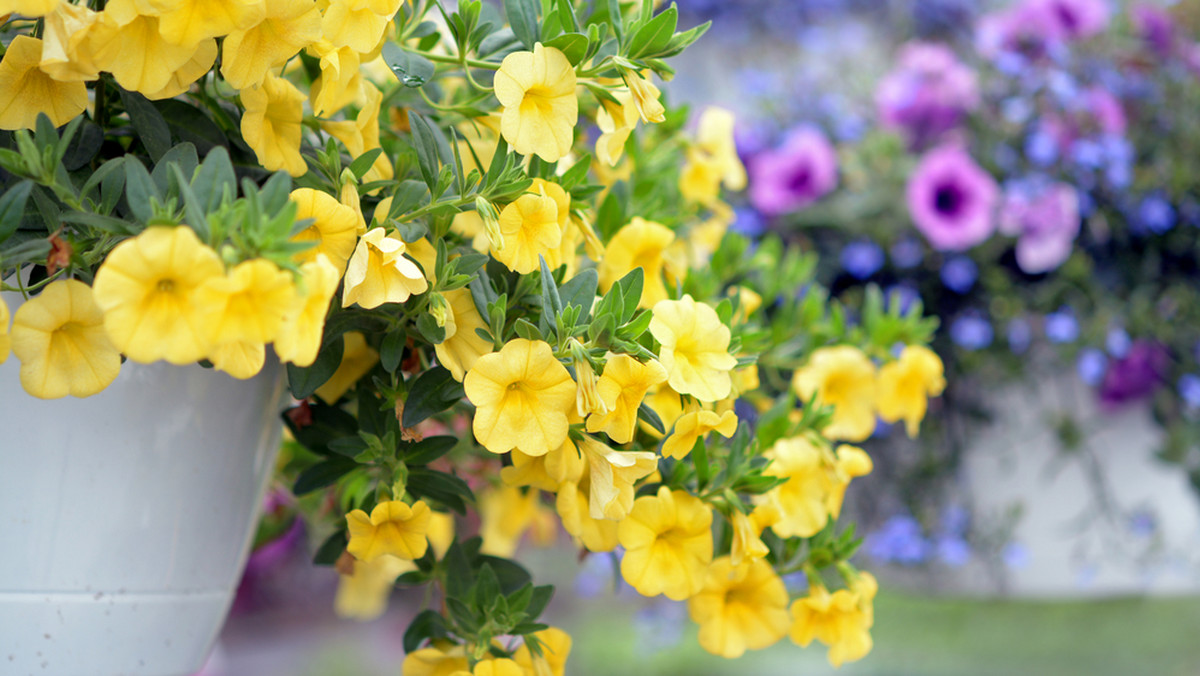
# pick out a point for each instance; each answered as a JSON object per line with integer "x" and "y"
{"x": 580, "y": 290}
{"x": 184, "y": 156}
{"x": 189, "y": 123}
{"x": 447, "y": 489}
{"x": 653, "y": 37}
{"x": 523, "y": 17}
{"x": 646, "y": 413}
{"x": 149, "y": 124}
{"x": 572, "y": 45}
{"x": 139, "y": 189}
{"x": 391, "y": 351}
{"x": 215, "y": 179}
{"x": 510, "y": 574}
{"x": 426, "y": 145}
{"x": 329, "y": 423}
{"x": 413, "y": 70}
{"x": 429, "y": 330}
{"x": 12, "y": 208}
{"x": 331, "y": 550}
{"x": 84, "y": 147}
{"x": 432, "y": 392}
{"x": 101, "y": 222}
{"x": 322, "y": 474}
{"x": 304, "y": 380}
{"x": 426, "y": 626}
{"x": 631, "y": 294}
{"x": 429, "y": 449}
{"x": 410, "y": 195}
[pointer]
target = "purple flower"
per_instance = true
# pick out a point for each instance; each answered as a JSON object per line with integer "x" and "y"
{"x": 1061, "y": 326}
{"x": 927, "y": 94}
{"x": 1135, "y": 376}
{"x": 1155, "y": 214}
{"x": 795, "y": 175}
{"x": 1045, "y": 221}
{"x": 1074, "y": 19}
{"x": 952, "y": 199}
{"x": 1022, "y": 32}
{"x": 1104, "y": 111}
{"x": 862, "y": 259}
{"x": 1015, "y": 555}
{"x": 898, "y": 540}
{"x": 971, "y": 332}
{"x": 903, "y": 295}
{"x": 1155, "y": 27}
{"x": 953, "y": 551}
{"x": 748, "y": 222}
{"x": 959, "y": 274}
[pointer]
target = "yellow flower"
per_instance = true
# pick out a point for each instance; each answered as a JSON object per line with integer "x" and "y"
{"x": 596, "y": 535}
{"x": 747, "y": 544}
{"x": 693, "y": 425}
{"x": 287, "y": 27}
{"x": 379, "y": 272}
{"x": 841, "y": 377}
{"x": 622, "y": 386}
{"x": 334, "y": 227}
{"x": 241, "y": 359}
{"x": 537, "y": 92}
{"x": 299, "y": 338}
{"x": 5, "y": 338}
{"x": 271, "y": 124}
{"x": 816, "y": 483}
{"x": 248, "y": 304}
{"x": 505, "y": 513}
{"x": 59, "y": 337}
{"x": 640, "y": 244}
{"x": 836, "y": 619}
{"x": 469, "y": 225}
{"x": 530, "y": 229}
{"x": 136, "y": 53}
{"x": 459, "y": 352}
{"x": 340, "y": 81}
{"x": 611, "y": 475}
{"x": 546, "y": 472}
{"x": 906, "y": 384}
{"x": 645, "y": 97}
{"x": 715, "y": 139}
{"x": 556, "y": 648}
{"x": 700, "y": 178}
{"x": 148, "y": 288}
{"x": 358, "y": 358}
{"x": 499, "y": 666}
{"x": 522, "y": 395}
{"x": 29, "y": 8}
{"x": 695, "y": 348}
{"x": 668, "y": 544}
{"x": 364, "y": 595}
{"x": 564, "y": 254}
{"x": 616, "y": 122}
{"x": 357, "y": 25}
{"x": 439, "y": 660}
{"x": 393, "y": 529}
{"x": 362, "y": 133}
{"x": 199, "y": 64}
{"x": 740, "y": 609}
{"x": 195, "y": 20}
{"x": 66, "y": 56}
{"x": 667, "y": 404}
{"x": 26, "y": 90}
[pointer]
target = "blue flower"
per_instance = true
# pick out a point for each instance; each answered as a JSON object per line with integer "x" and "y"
{"x": 959, "y": 274}
{"x": 971, "y": 332}
{"x": 955, "y": 520}
{"x": 898, "y": 540}
{"x": 901, "y": 294}
{"x": 1156, "y": 214}
{"x": 1118, "y": 342}
{"x": 1019, "y": 335}
{"x": 1087, "y": 153}
{"x": 862, "y": 259}
{"x": 1015, "y": 555}
{"x": 1189, "y": 390}
{"x": 1041, "y": 149}
{"x": 1016, "y": 109}
{"x": 953, "y": 551}
{"x": 1061, "y": 327}
{"x": 907, "y": 253}
{"x": 1091, "y": 365}
{"x": 748, "y": 222}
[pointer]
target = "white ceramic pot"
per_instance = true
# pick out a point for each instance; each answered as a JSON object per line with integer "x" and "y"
{"x": 126, "y": 517}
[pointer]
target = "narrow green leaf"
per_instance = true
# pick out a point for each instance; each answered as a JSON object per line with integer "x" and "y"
{"x": 12, "y": 208}
{"x": 149, "y": 124}
{"x": 523, "y": 17}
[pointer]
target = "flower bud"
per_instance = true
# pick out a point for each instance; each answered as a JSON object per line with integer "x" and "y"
{"x": 645, "y": 97}
{"x": 440, "y": 309}
{"x": 491, "y": 222}
{"x": 587, "y": 395}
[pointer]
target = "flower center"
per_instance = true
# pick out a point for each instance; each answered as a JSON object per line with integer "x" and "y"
{"x": 948, "y": 199}
{"x": 165, "y": 286}
{"x": 540, "y": 98}
{"x": 800, "y": 179}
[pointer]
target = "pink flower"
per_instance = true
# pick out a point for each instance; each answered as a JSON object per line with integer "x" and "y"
{"x": 951, "y": 199}
{"x": 795, "y": 175}
{"x": 1045, "y": 220}
{"x": 927, "y": 94}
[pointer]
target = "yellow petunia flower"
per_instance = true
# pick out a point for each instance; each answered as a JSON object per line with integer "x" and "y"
{"x": 700, "y": 178}
{"x": 195, "y": 20}
{"x": 640, "y": 244}
{"x": 838, "y": 620}
{"x": 668, "y": 544}
{"x": 816, "y": 483}
{"x": 241, "y": 359}
{"x": 379, "y": 273}
{"x": 355, "y": 24}
{"x": 5, "y": 337}
{"x": 358, "y": 359}
{"x": 522, "y": 396}
{"x": 645, "y": 97}
{"x": 271, "y": 124}
{"x": 248, "y": 304}
{"x": 287, "y": 26}
{"x": 334, "y": 227}
{"x": 439, "y": 660}
{"x": 694, "y": 425}
{"x": 556, "y": 648}
{"x": 459, "y": 352}
{"x": 622, "y": 386}
{"x": 611, "y": 476}
{"x": 26, "y": 90}
{"x": 545, "y": 472}
{"x": 571, "y": 503}
{"x": 136, "y": 53}
{"x": 299, "y": 338}
{"x": 30, "y": 8}
{"x": 740, "y": 609}
{"x": 695, "y": 348}
{"x": 147, "y": 287}
{"x": 747, "y": 544}
{"x": 393, "y": 529}
{"x": 182, "y": 79}
{"x": 616, "y": 122}
{"x": 564, "y": 253}
{"x": 362, "y": 133}
{"x": 537, "y": 92}
{"x": 906, "y": 384}
{"x": 363, "y": 595}
{"x": 505, "y": 513}
{"x": 500, "y": 666}
{"x": 59, "y": 337}
{"x": 530, "y": 228}
{"x": 66, "y": 56}
{"x": 844, "y": 378}
{"x": 340, "y": 81}
{"x": 715, "y": 139}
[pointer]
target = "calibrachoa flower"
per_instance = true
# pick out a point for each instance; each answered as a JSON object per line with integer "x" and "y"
{"x": 841, "y": 377}
{"x": 531, "y": 229}
{"x": 363, "y": 594}
{"x": 668, "y": 544}
{"x": 905, "y": 386}
{"x": 572, "y": 505}
{"x": 640, "y": 244}
{"x": 621, "y": 387}
{"x": 816, "y": 481}
{"x": 522, "y": 395}
{"x": 556, "y": 648}
{"x": 546, "y": 472}
{"x": 740, "y": 609}
{"x": 795, "y": 175}
{"x": 694, "y": 425}
{"x": 301, "y": 330}
{"x": 379, "y": 272}
{"x": 247, "y": 304}
{"x": 5, "y": 337}
{"x": 695, "y": 348}
{"x": 26, "y": 90}
{"x": 271, "y": 124}
{"x": 841, "y": 620}
{"x": 611, "y": 475}
{"x": 537, "y": 92}
{"x": 463, "y": 346}
{"x": 1046, "y": 222}
{"x": 59, "y": 337}
{"x": 393, "y": 529}
{"x": 357, "y": 359}
{"x": 334, "y": 228}
{"x": 951, "y": 199}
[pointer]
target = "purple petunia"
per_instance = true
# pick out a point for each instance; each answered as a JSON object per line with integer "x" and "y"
{"x": 952, "y": 199}
{"x": 1045, "y": 219}
{"x": 927, "y": 94}
{"x": 1156, "y": 28}
{"x": 794, "y": 175}
{"x": 1137, "y": 375}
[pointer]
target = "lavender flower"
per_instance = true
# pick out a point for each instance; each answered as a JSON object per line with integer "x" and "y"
{"x": 927, "y": 94}
{"x": 1045, "y": 219}
{"x": 952, "y": 199}
{"x": 1117, "y": 342}
{"x": 1155, "y": 214}
{"x": 795, "y": 175}
{"x": 906, "y": 253}
{"x": 1137, "y": 375}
